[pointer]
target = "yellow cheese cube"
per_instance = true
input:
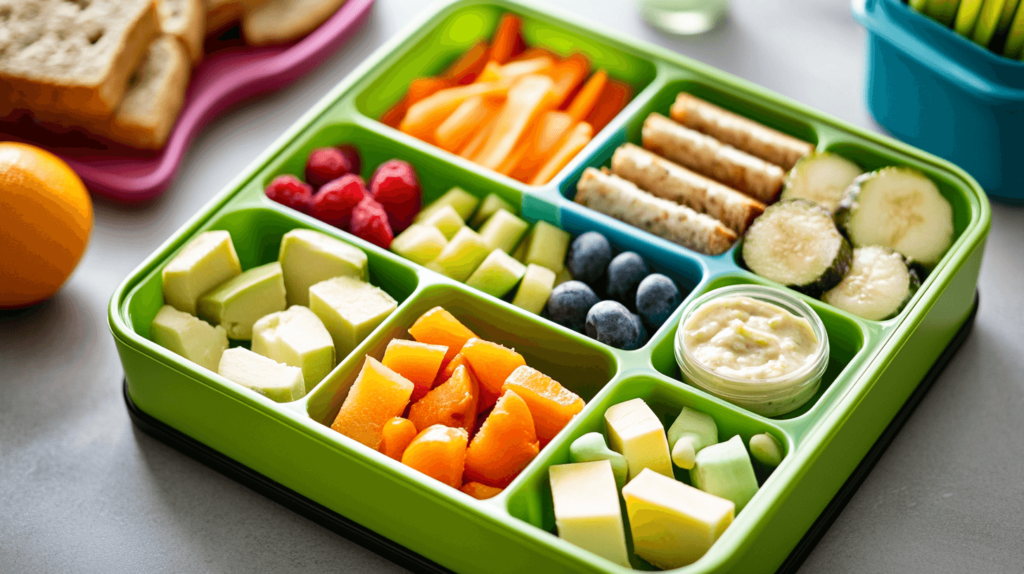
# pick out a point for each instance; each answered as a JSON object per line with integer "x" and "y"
{"x": 673, "y": 524}
{"x": 635, "y": 432}
{"x": 587, "y": 510}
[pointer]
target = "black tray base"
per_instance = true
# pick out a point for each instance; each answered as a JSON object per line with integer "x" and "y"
{"x": 415, "y": 562}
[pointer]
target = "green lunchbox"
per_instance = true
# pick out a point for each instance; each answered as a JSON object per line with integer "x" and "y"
{"x": 873, "y": 369}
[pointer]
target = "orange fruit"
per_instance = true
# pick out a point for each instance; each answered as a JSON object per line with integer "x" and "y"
{"x": 45, "y": 221}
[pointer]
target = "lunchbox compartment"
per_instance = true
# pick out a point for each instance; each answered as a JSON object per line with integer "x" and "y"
{"x": 530, "y": 499}
{"x": 847, "y": 339}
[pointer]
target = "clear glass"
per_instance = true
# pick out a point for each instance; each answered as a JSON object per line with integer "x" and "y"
{"x": 683, "y": 16}
{"x": 766, "y": 397}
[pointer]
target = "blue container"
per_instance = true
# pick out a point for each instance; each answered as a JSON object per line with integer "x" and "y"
{"x": 941, "y": 92}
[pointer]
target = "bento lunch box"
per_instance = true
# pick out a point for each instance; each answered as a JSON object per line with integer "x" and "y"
{"x": 873, "y": 367}
{"x": 935, "y": 89}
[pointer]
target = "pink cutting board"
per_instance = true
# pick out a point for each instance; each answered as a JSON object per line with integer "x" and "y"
{"x": 225, "y": 77}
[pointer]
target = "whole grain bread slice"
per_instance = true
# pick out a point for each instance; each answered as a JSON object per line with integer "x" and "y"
{"x": 186, "y": 21}
{"x": 71, "y": 58}
{"x": 282, "y": 21}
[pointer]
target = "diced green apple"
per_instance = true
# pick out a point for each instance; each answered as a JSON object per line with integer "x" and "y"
{"x": 463, "y": 254}
{"x": 296, "y": 337}
{"x": 239, "y": 302}
{"x": 535, "y": 288}
{"x": 446, "y": 220}
{"x": 547, "y": 246}
{"x": 207, "y": 261}
{"x": 497, "y": 274}
{"x": 562, "y": 276}
{"x": 192, "y": 338}
{"x": 503, "y": 231}
{"x": 308, "y": 257}
{"x": 464, "y": 203}
{"x": 350, "y": 309}
{"x": 278, "y": 382}
{"x": 491, "y": 204}
{"x": 419, "y": 243}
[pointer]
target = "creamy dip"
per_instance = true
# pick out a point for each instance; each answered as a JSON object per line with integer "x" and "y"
{"x": 743, "y": 338}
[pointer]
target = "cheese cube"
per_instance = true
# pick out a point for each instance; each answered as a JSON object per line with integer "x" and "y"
{"x": 673, "y": 524}
{"x": 207, "y": 261}
{"x": 587, "y": 510}
{"x": 635, "y": 432}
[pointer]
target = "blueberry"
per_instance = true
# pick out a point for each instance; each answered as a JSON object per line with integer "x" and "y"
{"x": 641, "y": 336}
{"x": 625, "y": 273}
{"x": 569, "y": 304}
{"x": 588, "y": 257}
{"x": 656, "y": 298}
{"x": 612, "y": 324}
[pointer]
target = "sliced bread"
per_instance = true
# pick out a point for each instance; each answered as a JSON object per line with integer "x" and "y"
{"x": 282, "y": 21}
{"x": 72, "y": 58}
{"x": 186, "y": 21}
{"x": 221, "y": 14}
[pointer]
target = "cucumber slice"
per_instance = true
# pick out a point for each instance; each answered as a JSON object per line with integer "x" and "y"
{"x": 878, "y": 285}
{"x": 796, "y": 243}
{"x": 821, "y": 178}
{"x": 899, "y": 208}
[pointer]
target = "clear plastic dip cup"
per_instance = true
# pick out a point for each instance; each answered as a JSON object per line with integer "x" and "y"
{"x": 683, "y": 16}
{"x": 786, "y": 384}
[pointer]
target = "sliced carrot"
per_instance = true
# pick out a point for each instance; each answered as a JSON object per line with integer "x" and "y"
{"x": 527, "y": 99}
{"x": 468, "y": 66}
{"x": 470, "y": 150}
{"x": 425, "y": 116}
{"x": 508, "y": 39}
{"x": 574, "y": 141}
{"x": 422, "y": 88}
{"x": 459, "y": 127}
{"x": 544, "y": 140}
{"x": 393, "y": 117}
{"x": 568, "y": 74}
{"x": 531, "y": 53}
{"x": 538, "y": 65}
{"x": 613, "y": 98}
{"x": 587, "y": 96}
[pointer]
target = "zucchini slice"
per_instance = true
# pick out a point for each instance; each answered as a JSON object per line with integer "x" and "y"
{"x": 878, "y": 285}
{"x": 899, "y": 208}
{"x": 821, "y": 178}
{"x": 796, "y": 243}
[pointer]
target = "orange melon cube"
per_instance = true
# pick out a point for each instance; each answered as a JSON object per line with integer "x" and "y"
{"x": 551, "y": 405}
{"x": 418, "y": 362}
{"x": 452, "y": 404}
{"x": 439, "y": 327}
{"x": 378, "y": 395}
{"x": 449, "y": 368}
{"x": 504, "y": 445}
{"x": 480, "y": 491}
{"x": 396, "y": 436}
{"x": 492, "y": 364}
{"x": 440, "y": 453}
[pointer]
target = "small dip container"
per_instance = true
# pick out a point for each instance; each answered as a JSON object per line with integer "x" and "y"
{"x": 771, "y": 396}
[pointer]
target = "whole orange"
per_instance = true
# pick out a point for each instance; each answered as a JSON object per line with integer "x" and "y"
{"x": 45, "y": 221}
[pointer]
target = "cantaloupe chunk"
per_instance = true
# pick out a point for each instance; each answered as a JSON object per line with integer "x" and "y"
{"x": 480, "y": 491}
{"x": 452, "y": 404}
{"x": 504, "y": 445}
{"x": 418, "y": 362}
{"x": 551, "y": 405}
{"x": 448, "y": 368}
{"x": 440, "y": 453}
{"x": 439, "y": 327}
{"x": 378, "y": 395}
{"x": 396, "y": 436}
{"x": 492, "y": 364}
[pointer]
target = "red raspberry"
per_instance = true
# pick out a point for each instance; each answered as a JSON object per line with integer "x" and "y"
{"x": 394, "y": 185}
{"x": 288, "y": 190}
{"x": 370, "y": 222}
{"x": 335, "y": 201}
{"x": 327, "y": 164}
{"x": 352, "y": 154}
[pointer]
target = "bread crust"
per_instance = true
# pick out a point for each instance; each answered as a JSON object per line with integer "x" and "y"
{"x": 283, "y": 21}
{"x": 186, "y": 21}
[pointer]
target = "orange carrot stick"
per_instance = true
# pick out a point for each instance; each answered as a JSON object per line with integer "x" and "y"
{"x": 539, "y": 65}
{"x": 551, "y": 129}
{"x": 613, "y": 98}
{"x": 527, "y": 99}
{"x": 508, "y": 39}
{"x": 393, "y": 117}
{"x": 468, "y": 66}
{"x": 568, "y": 74}
{"x": 477, "y": 143}
{"x": 531, "y": 53}
{"x": 459, "y": 127}
{"x": 575, "y": 140}
{"x": 426, "y": 115}
{"x": 422, "y": 88}
{"x": 587, "y": 96}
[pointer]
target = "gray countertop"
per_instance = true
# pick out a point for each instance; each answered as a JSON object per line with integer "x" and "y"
{"x": 82, "y": 490}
